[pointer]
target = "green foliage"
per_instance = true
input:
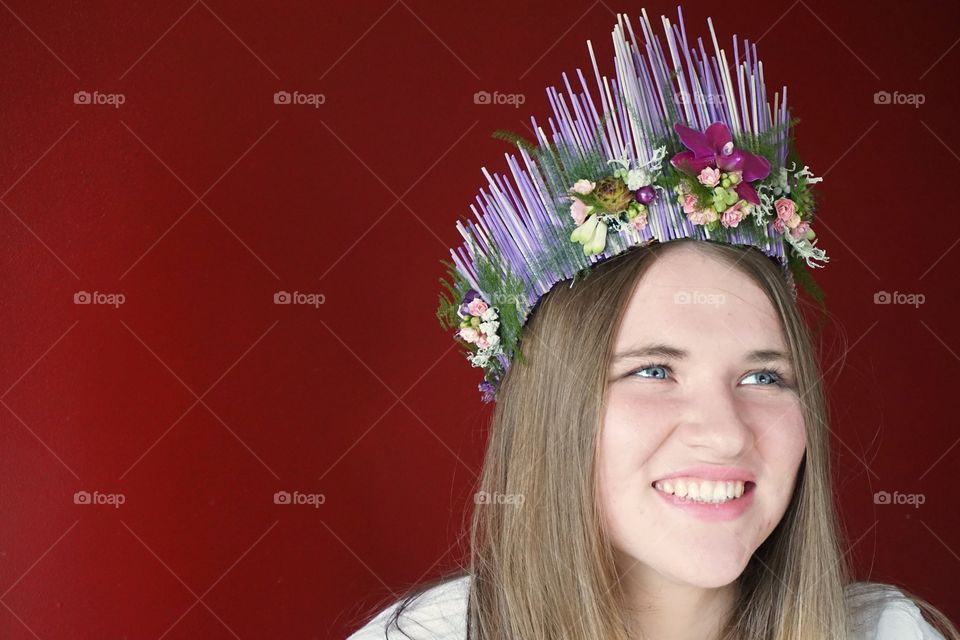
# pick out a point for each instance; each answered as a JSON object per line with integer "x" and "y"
{"x": 514, "y": 138}
{"x": 766, "y": 143}
{"x": 800, "y": 189}
{"x": 452, "y": 290}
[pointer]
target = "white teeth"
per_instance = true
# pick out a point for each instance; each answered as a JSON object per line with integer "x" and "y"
{"x": 681, "y": 489}
{"x": 710, "y": 491}
{"x": 719, "y": 491}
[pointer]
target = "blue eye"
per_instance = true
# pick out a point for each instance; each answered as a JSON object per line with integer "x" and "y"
{"x": 659, "y": 368}
{"x": 770, "y": 375}
{"x": 660, "y": 371}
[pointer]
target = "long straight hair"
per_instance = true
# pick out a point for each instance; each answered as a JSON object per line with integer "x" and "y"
{"x": 541, "y": 563}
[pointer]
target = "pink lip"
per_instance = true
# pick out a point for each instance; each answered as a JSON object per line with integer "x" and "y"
{"x": 712, "y": 472}
{"x": 729, "y": 510}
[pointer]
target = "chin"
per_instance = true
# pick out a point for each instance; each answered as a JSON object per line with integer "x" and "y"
{"x": 706, "y": 570}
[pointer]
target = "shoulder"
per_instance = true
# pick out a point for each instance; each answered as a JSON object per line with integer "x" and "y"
{"x": 882, "y": 612}
{"x": 439, "y": 613}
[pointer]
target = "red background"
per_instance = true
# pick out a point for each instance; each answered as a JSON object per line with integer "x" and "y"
{"x": 199, "y": 198}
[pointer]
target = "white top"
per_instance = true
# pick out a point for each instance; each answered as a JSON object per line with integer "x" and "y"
{"x": 440, "y": 613}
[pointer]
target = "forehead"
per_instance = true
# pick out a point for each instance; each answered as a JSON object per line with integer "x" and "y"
{"x": 690, "y": 298}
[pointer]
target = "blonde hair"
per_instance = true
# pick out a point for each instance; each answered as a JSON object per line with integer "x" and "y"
{"x": 544, "y": 569}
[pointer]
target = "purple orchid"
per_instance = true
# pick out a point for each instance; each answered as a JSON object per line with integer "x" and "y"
{"x": 714, "y": 147}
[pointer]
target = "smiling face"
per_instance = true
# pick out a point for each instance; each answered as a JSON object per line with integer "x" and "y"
{"x": 693, "y": 385}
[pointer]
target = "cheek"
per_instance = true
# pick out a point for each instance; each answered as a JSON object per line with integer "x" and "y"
{"x": 780, "y": 440}
{"x": 631, "y": 433}
{"x": 779, "y": 452}
{"x": 624, "y": 449}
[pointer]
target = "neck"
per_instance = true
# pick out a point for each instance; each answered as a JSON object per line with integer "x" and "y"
{"x": 669, "y": 610}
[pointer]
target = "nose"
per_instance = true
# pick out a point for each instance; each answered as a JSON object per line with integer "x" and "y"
{"x": 716, "y": 424}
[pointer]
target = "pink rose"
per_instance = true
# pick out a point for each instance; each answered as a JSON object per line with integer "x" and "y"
{"x": 640, "y": 222}
{"x": 578, "y": 210}
{"x": 779, "y": 225}
{"x": 736, "y": 213}
{"x": 731, "y": 217}
{"x": 469, "y": 334}
{"x": 709, "y": 177}
{"x": 697, "y": 217}
{"x": 800, "y": 231}
{"x": 689, "y": 204}
{"x": 477, "y": 307}
{"x": 785, "y": 207}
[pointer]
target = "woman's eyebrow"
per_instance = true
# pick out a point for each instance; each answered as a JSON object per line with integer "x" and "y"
{"x": 661, "y": 350}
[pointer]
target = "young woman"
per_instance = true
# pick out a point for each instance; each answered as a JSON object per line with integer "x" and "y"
{"x": 600, "y": 426}
{"x": 658, "y": 462}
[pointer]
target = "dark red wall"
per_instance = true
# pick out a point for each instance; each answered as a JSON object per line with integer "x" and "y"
{"x": 198, "y": 198}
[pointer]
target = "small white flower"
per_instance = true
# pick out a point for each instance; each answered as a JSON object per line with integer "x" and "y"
{"x": 493, "y": 340}
{"x": 637, "y": 178}
{"x": 781, "y": 183}
{"x": 489, "y": 314}
{"x": 489, "y": 328}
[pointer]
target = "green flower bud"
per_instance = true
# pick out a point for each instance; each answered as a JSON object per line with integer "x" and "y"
{"x": 612, "y": 193}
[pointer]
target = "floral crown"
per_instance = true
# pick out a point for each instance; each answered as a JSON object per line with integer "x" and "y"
{"x": 605, "y": 184}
